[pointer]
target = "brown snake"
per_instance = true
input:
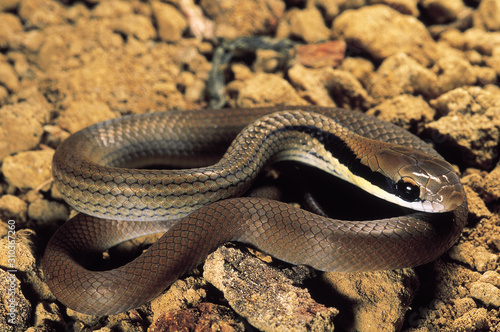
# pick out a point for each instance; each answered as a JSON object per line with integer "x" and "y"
{"x": 198, "y": 207}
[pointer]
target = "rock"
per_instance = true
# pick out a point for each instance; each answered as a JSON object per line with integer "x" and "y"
{"x": 47, "y": 317}
{"x": 492, "y": 185}
{"x": 8, "y": 77}
{"x": 487, "y": 15}
{"x": 10, "y": 29}
{"x": 360, "y": 68}
{"x": 8, "y": 5}
{"x": 452, "y": 72}
{"x": 443, "y": 11}
{"x": 236, "y": 19}
{"x": 472, "y": 127}
{"x": 40, "y": 13}
{"x": 491, "y": 277}
{"x": 83, "y": 114}
{"x": 405, "y": 111}
{"x": 400, "y": 74}
{"x": 372, "y": 301}
{"x": 171, "y": 23}
{"x": 263, "y": 296}
{"x": 204, "y": 317}
{"x": 13, "y": 117}
{"x": 35, "y": 166}
{"x": 473, "y": 320}
{"x": 190, "y": 292}
{"x": 381, "y": 32}
{"x": 113, "y": 9}
{"x": 45, "y": 212}
{"x": 308, "y": 25}
{"x": 329, "y": 87}
{"x": 15, "y": 311}
{"x": 328, "y": 54}
{"x": 138, "y": 26}
{"x": 13, "y": 208}
{"x": 407, "y": 7}
{"x": 486, "y": 293}
{"x": 264, "y": 90}
{"x": 477, "y": 257}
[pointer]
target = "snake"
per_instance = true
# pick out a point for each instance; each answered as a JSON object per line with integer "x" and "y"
{"x": 185, "y": 173}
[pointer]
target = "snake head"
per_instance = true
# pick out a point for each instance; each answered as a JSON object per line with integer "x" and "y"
{"x": 420, "y": 181}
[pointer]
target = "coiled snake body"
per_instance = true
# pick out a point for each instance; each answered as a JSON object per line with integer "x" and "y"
{"x": 198, "y": 207}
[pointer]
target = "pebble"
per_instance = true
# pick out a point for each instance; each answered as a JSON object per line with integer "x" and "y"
{"x": 77, "y": 115}
{"x": 204, "y": 317}
{"x": 385, "y": 32}
{"x": 40, "y": 13}
{"x": 265, "y": 90}
{"x": 406, "y": 111}
{"x": 486, "y": 293}
{"x": 308, "y": 25}
{"x": 401, "y": 74}
{"x": 171, "y": 23}
{"x": 10, "y": 29}
{"x": 263, "y": 296}
{"x": 8, "y": 77}
{"x": 472, "y": 127}
{"x": 35, "y": 166}
{"x": 487, "y": 16}
{"x": 13, "y": 208}
{"x": 138, "y": 26}
{"x": 235, "y": 19}
{"x": 46, "y": 212}
{"x": 330, "y": 87}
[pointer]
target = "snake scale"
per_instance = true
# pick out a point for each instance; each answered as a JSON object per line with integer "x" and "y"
{"x": 100, "y": 172}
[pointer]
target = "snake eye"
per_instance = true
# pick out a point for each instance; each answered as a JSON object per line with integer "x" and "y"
{"x": 407, "y": 190}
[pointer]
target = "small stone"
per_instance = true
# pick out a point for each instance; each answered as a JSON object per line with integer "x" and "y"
{"x": 29, "y": 169}
{"x": 8, "y": 5}
{"x": 81, "y": 114}
{"x": 44, "y": 211}
{"x": 452, "y": 72}
{"x": 491, "y": 277}
{"x": 267, "y": 90}
{"x": 400, "y": 74}
{"x": 13, "y": 208}
{"x": 476, "y": 257}
{"x": 8, "y": 77}
{"x": 23, "y": 115}
{"x": 171, "y": 23}
{"x": 487, "y": 15}
{"x": 472, "y": 126}
{"x": 243, "y": 18}
{"x": 486, "y": 293}
{"x": 189, "y": 292}
{"x": 474, "y": 320}
{"x": 308, "y": 25}
{"x": 330, "y": 87}
{"x": 41, "y": 13}
{"x": 443, "y": 11}
{"x": 376, "y": 299}
{"x": 10, "y": 28}
{"x": 263, "y": 295}
{"x": 135, "y": 25}
{"x": 328, "y": 54}
{"x": 204, "y": 317}
{"x": 382, "y": 31}
{"x": 405, "y": 111}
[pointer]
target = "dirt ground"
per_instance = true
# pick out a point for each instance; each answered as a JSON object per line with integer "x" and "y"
{"x": 430, "y": 66}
